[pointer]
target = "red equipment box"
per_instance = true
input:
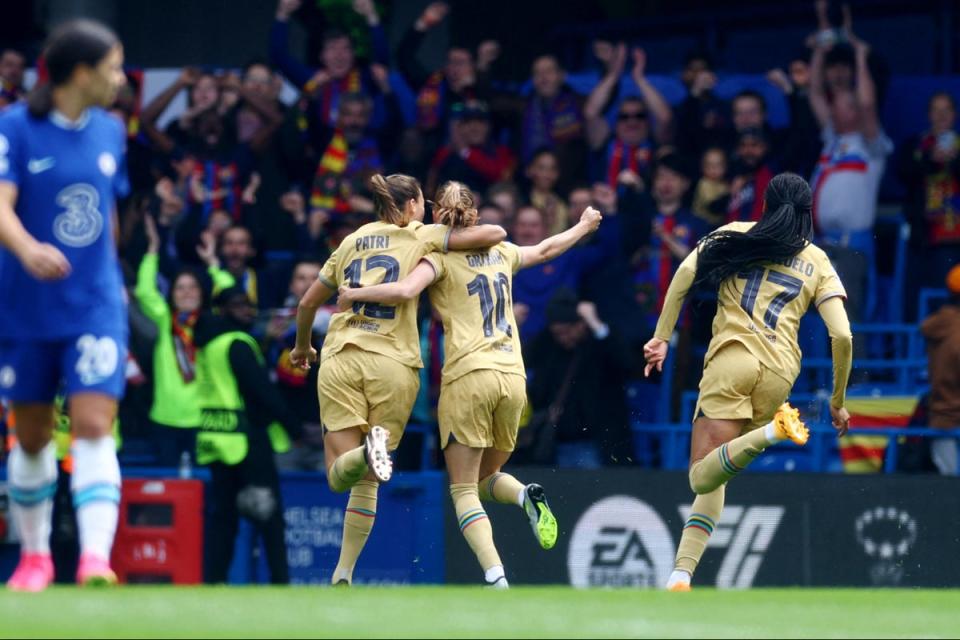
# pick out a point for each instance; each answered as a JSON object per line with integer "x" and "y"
{"x": 160, "y": 533}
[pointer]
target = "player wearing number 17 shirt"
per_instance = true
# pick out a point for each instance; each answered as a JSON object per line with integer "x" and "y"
{"x": 64, "y": 322}
{"x": 766, "y": 275}
{"x": 483, "y": 389}
{"x": 368, "y": 379}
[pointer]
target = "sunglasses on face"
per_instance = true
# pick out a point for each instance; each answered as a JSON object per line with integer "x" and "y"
{"x": 631, "y": 115}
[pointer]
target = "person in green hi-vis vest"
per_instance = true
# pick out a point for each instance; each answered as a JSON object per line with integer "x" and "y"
{"x": 243, "y": 422}
{"x": 175, "y": 413}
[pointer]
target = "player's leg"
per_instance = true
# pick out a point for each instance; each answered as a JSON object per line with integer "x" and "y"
{"x": 389, "y": 391}
{"x": 497, "y": 486}
{"x": 29, "y": 373}
{"x": 465, "y": 413}
{"x": 32, "y": 477}
{"x": 463, "y": 467}
{"x": 95, "y": 483}
{"x": 344, "y": 413}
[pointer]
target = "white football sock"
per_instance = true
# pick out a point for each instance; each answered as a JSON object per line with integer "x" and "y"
{"x": 770, "y": 431}
{"x": 521, "y": 496}
{"x": 33, "y": 482}
{"x": 678, "y": 577}
{"x": 96, "y": 494}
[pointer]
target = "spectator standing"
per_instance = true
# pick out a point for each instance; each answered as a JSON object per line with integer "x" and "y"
{"x": 800, "y": 144}
{"x": 942, "y": 331}
{"x": 12, "y": 66}
{"x": 579, "y": 368}
{"x": 930, "y": 169}
{"x": 847, "y": 178}
{"x": 471, "y": 156}
{"x": 702, "y": 117}
{"x": 543, "y": 173}
{"x": 711, "y": 196}
{"x": 752, "y": 172}
{"x": 244, "y": 420}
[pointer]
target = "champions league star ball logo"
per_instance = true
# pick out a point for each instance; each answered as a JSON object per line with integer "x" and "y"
{"x": 886, "y": 535}
{"x": 620, "y": 542}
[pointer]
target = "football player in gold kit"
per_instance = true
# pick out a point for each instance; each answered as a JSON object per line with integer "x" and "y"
{"x": 368, "y": 378}
{"x": 766, "y": 275}
{"x": 484, "y": 382}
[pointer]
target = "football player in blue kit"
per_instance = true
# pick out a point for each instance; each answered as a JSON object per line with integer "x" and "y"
{"x": 63, "y": 323}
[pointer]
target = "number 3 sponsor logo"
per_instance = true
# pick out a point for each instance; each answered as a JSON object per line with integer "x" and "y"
{"x": 98, "y": 360}
{"x": 81, "y": 223}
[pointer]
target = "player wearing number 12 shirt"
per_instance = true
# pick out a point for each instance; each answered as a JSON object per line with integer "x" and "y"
{"x": 766, "y": 275}
{"x": 63, "y": 324}
{"x": 368, "y": 379}
{"x": 483, "y": 389}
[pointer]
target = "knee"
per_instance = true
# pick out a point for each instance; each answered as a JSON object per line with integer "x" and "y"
{"x": 33, "y": 441}
{"x": 699, "y": 483}
{"x": 91, "y": 426}
{"x": 334, "y": 483}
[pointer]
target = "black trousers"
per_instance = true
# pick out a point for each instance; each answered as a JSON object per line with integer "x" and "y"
{"x": 250, "y": 489}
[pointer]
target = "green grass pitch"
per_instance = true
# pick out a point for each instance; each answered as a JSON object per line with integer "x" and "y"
{"x": 461, "y": 612}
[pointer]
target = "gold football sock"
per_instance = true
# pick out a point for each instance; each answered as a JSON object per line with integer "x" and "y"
{"x": 503, "y": 488}
{"x": 474, "y": 524}
{"x": 703, "y": 519}
{"x": 357, "y": 524}
{"x": 726, "y": 461}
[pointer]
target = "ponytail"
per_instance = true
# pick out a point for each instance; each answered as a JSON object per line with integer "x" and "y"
{"x": 455, "y": 205}
{"x": 390, "y": 197}
{"x": 784, "y": 231}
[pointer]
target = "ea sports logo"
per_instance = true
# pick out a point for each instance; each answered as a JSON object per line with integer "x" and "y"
{"x": 620, "y": 542}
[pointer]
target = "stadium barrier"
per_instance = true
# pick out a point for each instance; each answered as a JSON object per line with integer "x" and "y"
{"x": 620, "y": 528}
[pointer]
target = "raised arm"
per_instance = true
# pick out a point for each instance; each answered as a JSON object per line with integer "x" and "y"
{"x": 153, "y": 111}
{"x": 841, "y": 342}
{"x": 866, "y": 90}
{"x": 390, "y": 293}
{"x": 655, "y": 351}
{"x": 662, "y": 113}
{"x": 597, "y": 126}
{"x": 818, "y": 93}
{"x": 481, "y": 236}
{"x": 562, "y": 242}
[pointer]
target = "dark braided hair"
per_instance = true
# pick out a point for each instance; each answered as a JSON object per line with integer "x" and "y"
{"x": 784, "y": 231}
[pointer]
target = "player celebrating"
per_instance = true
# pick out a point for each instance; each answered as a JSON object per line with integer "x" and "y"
{"x": 766, "y": 275}
{"x": 368, "y": 378}
{"x": 484, "y": 380}
{"x": 64, "y": 320}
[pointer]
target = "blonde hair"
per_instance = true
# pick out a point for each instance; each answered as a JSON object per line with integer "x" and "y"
{"x": 390, "y": 197}
{"x": 455, "y": 205}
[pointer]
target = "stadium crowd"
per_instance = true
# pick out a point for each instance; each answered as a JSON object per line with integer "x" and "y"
{"x": 239, "y": 200}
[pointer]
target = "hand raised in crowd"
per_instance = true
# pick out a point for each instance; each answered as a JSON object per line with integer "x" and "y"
{"x": 841, "y": 420}
{"x": 317, "y": 81}
{"x": 303, "y": 357}
{"x": 286, "y": 8}
{"x": 293, "y": 203}
{"x": 153, "y": 236}
{"x": 655, "y": 353}
{"x": 368, "y": 10}
{"x": 780, "y": 79}
{"x": 249, "y": 195}
{"x": 381, "y": 75}
{"x": 487, "y": 53}
{"x": 432, "y": 16}
{"x": 639, "y": 64}
{"x": 588, "y": 313}
{"x": 207, "y": 249}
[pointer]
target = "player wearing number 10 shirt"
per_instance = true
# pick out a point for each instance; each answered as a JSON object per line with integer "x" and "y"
{"x": 368, "y": 379}
{"x": 483, "y": 390}
{"x": 63, "y": 327}
{"x": 766, "y": 275}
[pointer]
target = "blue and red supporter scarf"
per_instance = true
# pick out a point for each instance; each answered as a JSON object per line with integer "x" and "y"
{"x": 621, "y": 156}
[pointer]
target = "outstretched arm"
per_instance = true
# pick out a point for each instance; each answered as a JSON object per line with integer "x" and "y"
{"x": 561, "y": 242}
{"x": 655, "y": 351}
{"x": 818, "y": 93}
{"x": 391, "y": 293}
{"x": 841, "y": 341}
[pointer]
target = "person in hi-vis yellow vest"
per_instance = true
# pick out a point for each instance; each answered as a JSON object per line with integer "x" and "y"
{"x": 243, "y": 422}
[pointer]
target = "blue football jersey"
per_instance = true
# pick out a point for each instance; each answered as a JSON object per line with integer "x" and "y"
{"x": 68, "y": 177}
